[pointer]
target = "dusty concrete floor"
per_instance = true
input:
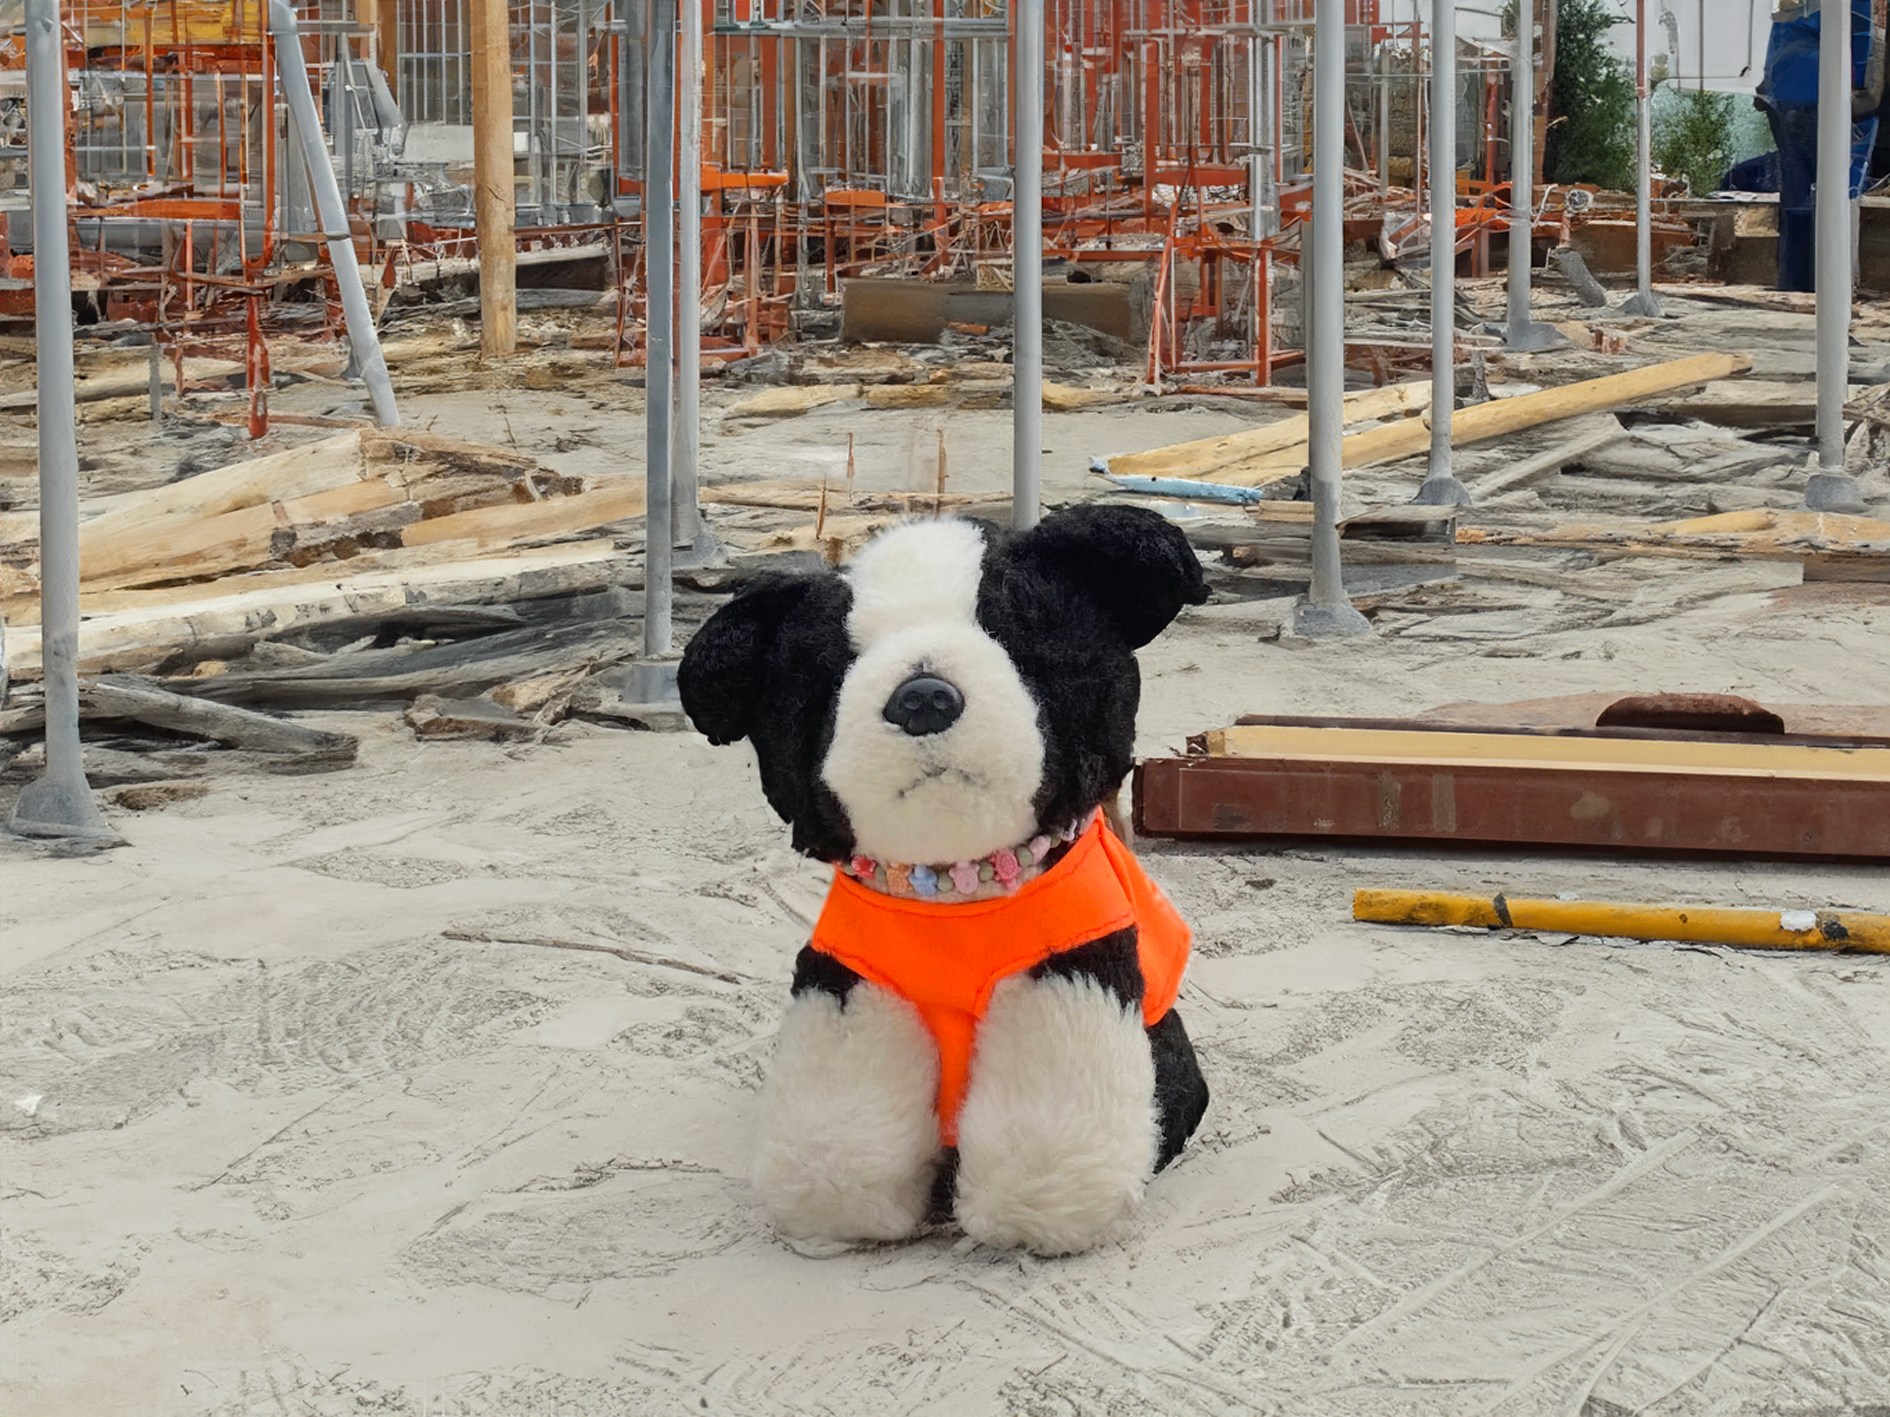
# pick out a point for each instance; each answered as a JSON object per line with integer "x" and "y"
{"x": 321, "y": 1097}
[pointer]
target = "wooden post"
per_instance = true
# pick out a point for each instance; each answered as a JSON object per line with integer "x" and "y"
{"x": 387, "y": 41}
{"x": 493, "y": 194}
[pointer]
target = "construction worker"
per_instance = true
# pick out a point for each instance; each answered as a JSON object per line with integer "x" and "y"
{"x": 1788, "y": 96}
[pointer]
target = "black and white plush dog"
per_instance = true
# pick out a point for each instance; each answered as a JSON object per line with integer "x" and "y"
{"x": 984, "y": 1018}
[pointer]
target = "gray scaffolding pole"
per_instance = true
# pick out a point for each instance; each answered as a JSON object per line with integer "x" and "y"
{"x": 1027, "y": 274}
{"x": 686, "y": 439}
{"x": 1521, "y": 332}
{"x": 1642, "y": 301}
{"x": 60, "y": 803}
{"x": 659, "y": 251}
{"x": 1441, "y": 486}
{"x": 358, "y": 319}
{"x": 1326, "y": 612}
{"x": 1830, "y": 488}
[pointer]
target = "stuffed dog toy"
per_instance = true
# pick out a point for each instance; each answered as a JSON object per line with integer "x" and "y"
{"x": 984, "y": 1021}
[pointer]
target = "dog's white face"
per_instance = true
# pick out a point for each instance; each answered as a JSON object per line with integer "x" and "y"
{"x": 938, "y": 749}
{"x": 956, "y": 690}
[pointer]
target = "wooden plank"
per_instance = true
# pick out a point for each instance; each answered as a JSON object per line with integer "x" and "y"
{"x": 419, "y": 566}
{"x": 1284, "y": 742}
{"x": 142, "y": 628}
{"x": 790, "y": 400}
{"x": 787, "y": 495}
{"x": 1830, "y": 546}
{"x": 1495, "y": 419}
{"x": 123, "y": 696}
{"x": 1546, "y": 463}
{"x": 124, "y": 383}
{"x": 296, "y": 472}
{"x": 184, "y": 548}
{"x": 1236, "y": 450}
{"x": 492, "y": 528}
{"x": 459, "y": 669}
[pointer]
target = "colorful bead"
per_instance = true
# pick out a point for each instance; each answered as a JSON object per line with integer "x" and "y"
{"x": 1005, "y": 866}
{"x": 924, "y": 881}
{"x": 899, "y": 879}
{"x": 1039, "y": 848}
{"x": 965, "y": 876}
{"x": 863, "y": 867}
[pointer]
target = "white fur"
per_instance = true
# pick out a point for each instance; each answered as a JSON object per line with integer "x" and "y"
{"x": 849, "y": 1130}
{"x": 916, "y": 573}
{"x": 939, "y": 797}
{"x": 1058, "y": 1133}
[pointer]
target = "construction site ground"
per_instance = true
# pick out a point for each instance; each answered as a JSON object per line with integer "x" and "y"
{"x": 427, "y": 1086}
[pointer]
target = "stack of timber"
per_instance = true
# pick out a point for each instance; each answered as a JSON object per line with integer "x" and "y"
{"x": 362, "y": 570}
{"x": 364, "y": 523}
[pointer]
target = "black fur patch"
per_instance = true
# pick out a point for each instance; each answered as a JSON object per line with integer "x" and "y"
{"x": 1070, "y": 602}
{"x": 1112, "y": 962}
{"x": 823, "y": 973}
{"x": 1181, "y": 1093}
{"x": 944, "y": 1185}
{"x": 767, "y": 667}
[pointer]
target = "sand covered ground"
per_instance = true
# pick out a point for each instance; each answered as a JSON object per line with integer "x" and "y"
{"x": 427, "y": 1086}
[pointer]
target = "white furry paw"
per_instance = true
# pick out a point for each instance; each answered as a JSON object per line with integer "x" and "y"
{"x": 849, "y": 1132}
{"x": 1058, "y": 1134}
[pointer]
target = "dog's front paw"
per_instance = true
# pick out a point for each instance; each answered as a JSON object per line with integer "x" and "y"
{"x": 849, "y": 1135}
{"x": 1058, "y": 1134}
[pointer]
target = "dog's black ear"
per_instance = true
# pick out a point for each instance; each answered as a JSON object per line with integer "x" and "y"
{"x": 1134, "y": 564}
{"x": 725, "y": 671}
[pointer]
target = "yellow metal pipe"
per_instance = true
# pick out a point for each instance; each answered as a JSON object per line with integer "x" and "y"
{"x": 1847, "y": 930}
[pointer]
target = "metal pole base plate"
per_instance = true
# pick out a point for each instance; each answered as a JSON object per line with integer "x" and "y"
{"x": 1530, "y": 337}
{"x": 1832, "y": 492}
{"x": 650, "y": 681}
{"x": 1329, "y": 622}
{"x": 700, "y": 553}
{"x": 1647, "y": 306}
{"x": 53, "y": 807}
{"x": 1442, "y": 490}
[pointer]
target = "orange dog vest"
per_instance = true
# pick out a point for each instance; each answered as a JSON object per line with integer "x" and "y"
{"x": 946, "y": 959}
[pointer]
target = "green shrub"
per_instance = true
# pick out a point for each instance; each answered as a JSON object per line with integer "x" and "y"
{"x": 1591, "y": 103}
{"x": 1693, "y": 137}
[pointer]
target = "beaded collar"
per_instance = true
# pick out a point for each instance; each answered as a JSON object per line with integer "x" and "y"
{"x": 959, "y": 882}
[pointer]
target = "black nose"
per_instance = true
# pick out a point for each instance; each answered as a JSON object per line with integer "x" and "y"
{"x": 924, "y": 704}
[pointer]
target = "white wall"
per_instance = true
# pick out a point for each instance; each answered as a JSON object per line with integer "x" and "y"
{"x": 1735, "y": 33}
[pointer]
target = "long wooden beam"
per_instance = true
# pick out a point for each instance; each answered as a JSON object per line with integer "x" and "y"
{"x": 1412, "y": 436}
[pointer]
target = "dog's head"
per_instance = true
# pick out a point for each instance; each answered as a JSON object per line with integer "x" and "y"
{"x": 953, "y": 690}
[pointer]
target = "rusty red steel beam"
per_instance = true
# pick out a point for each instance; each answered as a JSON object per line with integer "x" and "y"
{"x": 1510, "y": 804}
